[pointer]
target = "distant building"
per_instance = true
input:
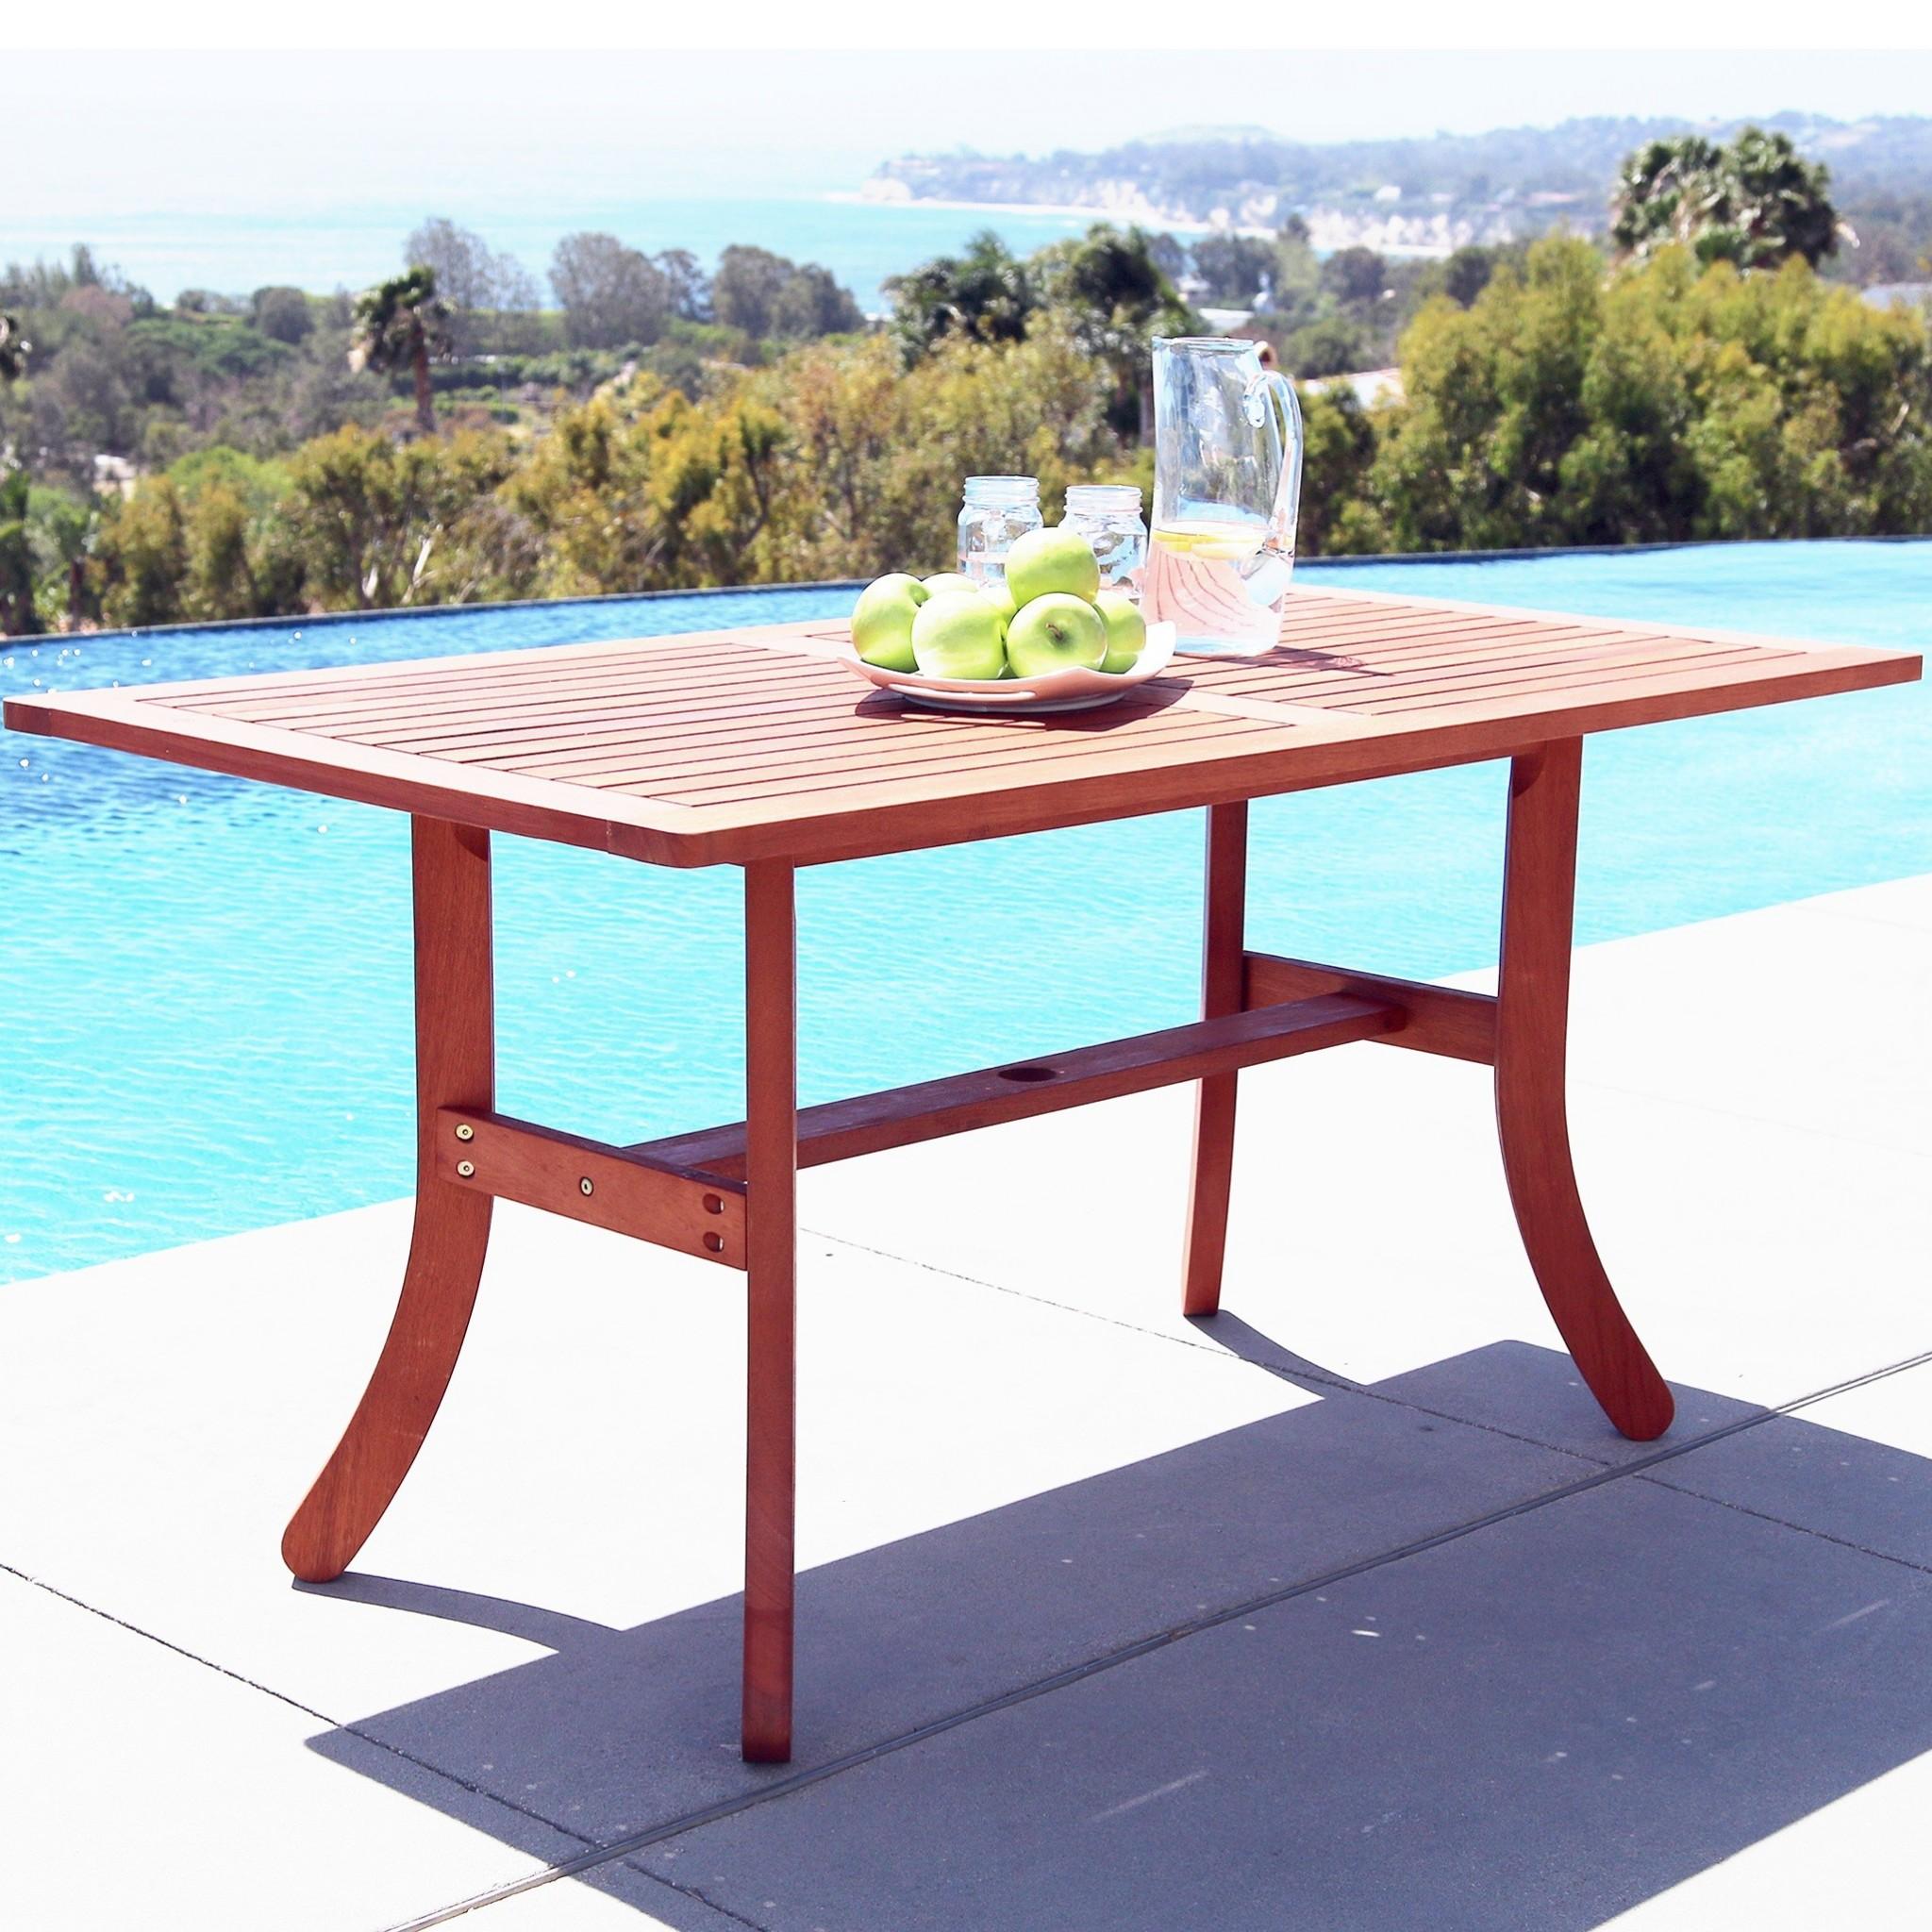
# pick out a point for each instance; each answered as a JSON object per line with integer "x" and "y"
{"x": 1370, "y": 386}
{"x": 114, "y": 475}
{"x": 1882, "y": 295}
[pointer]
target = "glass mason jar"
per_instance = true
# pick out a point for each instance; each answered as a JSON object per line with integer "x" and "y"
{"x": 1108, "y": 516}
{"x": 999, "y": 511}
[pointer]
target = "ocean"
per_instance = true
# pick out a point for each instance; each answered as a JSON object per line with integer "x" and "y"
{"x": 861, "y": 243}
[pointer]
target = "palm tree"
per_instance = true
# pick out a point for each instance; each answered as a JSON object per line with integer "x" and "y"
{"x": 1755, "y": 201}
{"x": 400, "y": 323}
{"x": 14, "y": 348}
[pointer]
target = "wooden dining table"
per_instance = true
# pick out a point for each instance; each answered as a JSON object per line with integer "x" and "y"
{"x": 758, "y": 748}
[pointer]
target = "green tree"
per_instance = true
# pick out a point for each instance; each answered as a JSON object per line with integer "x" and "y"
{"x": 282, "y": 315}
{"x": 1116, "y": 300}
{"x": 1335, "y": 345}
{"x": 1237, "y": 269}
{"x": 610, "y": 296}
{"x": 986, "y": 293}
{"x": 688, "y": 285}
{"x": 14, "y": 348}
{"x": 378, "y": 526}
{"x": 61, "y": 528}
{"x": 475, "y": 282}
{"x": 768, "y": 296}
{"x": 1755, "y": 200}
{"x": 1569, "y": 406}
{"x": 17, "y": 614}
{"x": 1355, "y": 275}
{"x": 145, "y": 542}
{"x": 1337, "y": 514}
{"x": 401, "y": 323}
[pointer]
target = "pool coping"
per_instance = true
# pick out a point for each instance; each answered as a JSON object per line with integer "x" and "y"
{"x": 34, "y": 640}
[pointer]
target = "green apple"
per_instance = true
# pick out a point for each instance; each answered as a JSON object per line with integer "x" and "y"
{"x": 882, "y": 620}
{"x": 1126, "y": 629}
{"x": 948, "y": 581}
{"x": 1002, "y": 595}
{"x": 1055, "y": 562}
{"x": 1055, "y": 633}
{"x": 959, "y": 634}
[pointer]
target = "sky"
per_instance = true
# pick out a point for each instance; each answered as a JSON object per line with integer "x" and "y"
{"x": 212, "y": 134}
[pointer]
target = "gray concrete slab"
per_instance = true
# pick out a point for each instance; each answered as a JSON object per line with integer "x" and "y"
{"x": 1536, "y": 1727}
{"x": 624, "y": 1728}
{"x": 141, "y": 1788}
{"x": 1854, "y": 1467}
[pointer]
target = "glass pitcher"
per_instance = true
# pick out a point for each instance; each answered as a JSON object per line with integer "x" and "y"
{"x": 1227, "y": 481}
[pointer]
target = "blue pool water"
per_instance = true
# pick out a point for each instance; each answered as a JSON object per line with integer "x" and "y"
{"x": 208, "y": 982}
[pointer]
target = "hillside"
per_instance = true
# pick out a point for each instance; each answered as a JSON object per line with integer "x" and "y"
{"x": 1435, "y": 192}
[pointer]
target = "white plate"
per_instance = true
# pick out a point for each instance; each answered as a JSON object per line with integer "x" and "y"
{"x": 1028, "y": 697}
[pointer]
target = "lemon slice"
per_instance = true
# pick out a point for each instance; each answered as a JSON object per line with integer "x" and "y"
{"x": 1212, "y": 542}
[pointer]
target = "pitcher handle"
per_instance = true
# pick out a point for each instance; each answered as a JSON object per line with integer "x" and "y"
{"x": 1270, "y": 392}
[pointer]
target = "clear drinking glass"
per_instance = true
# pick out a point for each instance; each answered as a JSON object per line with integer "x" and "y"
{"x": 997, "y": 512}
{"x": 1227, "y": 481}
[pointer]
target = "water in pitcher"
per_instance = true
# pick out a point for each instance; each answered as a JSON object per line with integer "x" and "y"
{"x": 1221, "y": 583}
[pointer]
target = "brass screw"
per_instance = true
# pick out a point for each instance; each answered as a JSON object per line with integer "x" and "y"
{"x": 584, "y": 1186}
{"x": 466, "y": 1132}
{"x": 466, "y": 1168}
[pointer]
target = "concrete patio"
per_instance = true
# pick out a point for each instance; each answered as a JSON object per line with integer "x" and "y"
{"x": 1344, "y": 1609}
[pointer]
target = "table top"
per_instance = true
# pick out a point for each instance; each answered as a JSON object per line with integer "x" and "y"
{"x": 730, "y": 746}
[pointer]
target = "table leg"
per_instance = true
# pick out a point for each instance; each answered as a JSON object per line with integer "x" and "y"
{"x": 1532, "y": 1026}
{"x": 771, "y": 1160}
{"x": 1214, "y": 1101}
{"x": 455, "y": 1067}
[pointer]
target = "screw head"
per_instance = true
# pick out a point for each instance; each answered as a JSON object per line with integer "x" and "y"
{"x": 466, "y": 1168}
{"x": 466, "y": 1132}
{"x": 584, "y": 1186}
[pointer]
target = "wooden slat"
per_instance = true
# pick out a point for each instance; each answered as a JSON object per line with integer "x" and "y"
{"x": 626, "y": 1189}
{"x": 487, "y": 702}
{"x": 1321, "y": 670}
{"x": 668, "y": 768}
{"x": 739, "y": 721}
{"x": 842, "y": 1130}
{"x": 1435, "y": 1019}
{"x": 1277, "y": 669}
{"x": 501, "y": 672}
{"x": 1606, "y": 671}
{"x": 722, "y": 745}
{"x": 1190, "y": 733}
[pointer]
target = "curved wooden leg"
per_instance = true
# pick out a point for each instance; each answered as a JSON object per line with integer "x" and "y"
{"x": 1215, "y": 1102}
{"x": 455, "y": 1067}
{"x": 1532, "y": 1120}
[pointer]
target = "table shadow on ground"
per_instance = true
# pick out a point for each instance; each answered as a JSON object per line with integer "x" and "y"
{"x": 1540, "y": 1722}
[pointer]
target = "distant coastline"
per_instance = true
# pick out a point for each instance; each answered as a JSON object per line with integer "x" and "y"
{"x": 1145, "y": 213}
{"x": 1334, "y": 229}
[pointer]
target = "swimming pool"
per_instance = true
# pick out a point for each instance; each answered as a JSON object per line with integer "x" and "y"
{"x": 209, "y": 981}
